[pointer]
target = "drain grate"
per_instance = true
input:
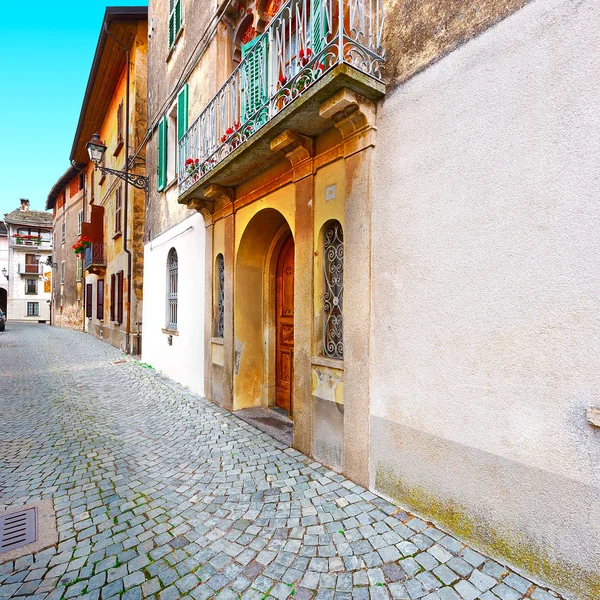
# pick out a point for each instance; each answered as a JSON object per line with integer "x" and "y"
{"x": 18, "y": 529}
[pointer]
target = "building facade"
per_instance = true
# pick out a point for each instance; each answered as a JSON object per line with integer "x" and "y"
{"x": 3, "y": 267}
{"x": 67, "y": 201}
{"x": 378, "y": 218}
{"x": 29, "y": 276}
{"x": 114, "y": 106}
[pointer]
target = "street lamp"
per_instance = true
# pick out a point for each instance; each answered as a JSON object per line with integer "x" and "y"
{"x": 96, "y": 150}
{"x": 5, "y": 273}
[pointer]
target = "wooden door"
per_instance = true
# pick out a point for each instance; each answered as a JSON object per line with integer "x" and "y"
{"x": 284, "y": 312}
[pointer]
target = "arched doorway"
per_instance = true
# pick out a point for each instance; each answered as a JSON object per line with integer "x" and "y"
{"x": 264, "y": 313}
{"x": 284, "y": 324}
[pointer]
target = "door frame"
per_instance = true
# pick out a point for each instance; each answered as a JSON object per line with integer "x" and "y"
{"x": 269, "y": 396}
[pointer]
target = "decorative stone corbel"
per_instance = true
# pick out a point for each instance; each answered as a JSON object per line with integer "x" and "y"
{"x": 354, "y": 116}
{"x": 298, "y": 149}
{"x": 221, "y": 197}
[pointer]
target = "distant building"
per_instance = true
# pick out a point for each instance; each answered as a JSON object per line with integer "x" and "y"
{"x": 29, "y": 275}
{"x": 67, "y": 201}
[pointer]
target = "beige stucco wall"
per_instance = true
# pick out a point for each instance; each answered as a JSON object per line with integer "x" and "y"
{"x": 486, "y": 311}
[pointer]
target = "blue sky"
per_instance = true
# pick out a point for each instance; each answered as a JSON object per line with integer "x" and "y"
{"x": 46, "y": 51}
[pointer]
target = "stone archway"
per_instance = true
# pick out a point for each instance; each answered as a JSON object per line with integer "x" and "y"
{"x": 255, "y": 323}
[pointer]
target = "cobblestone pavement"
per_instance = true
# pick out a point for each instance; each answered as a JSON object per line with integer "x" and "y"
{"x": 161, "y": 494}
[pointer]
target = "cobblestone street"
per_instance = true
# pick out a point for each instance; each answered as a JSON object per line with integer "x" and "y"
{"x": 160, "y": 494}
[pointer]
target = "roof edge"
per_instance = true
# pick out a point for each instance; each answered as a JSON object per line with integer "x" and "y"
{"x": 60, "y": 185}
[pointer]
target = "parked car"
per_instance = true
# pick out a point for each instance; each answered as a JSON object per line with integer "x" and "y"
{"x": 2, "y": 321}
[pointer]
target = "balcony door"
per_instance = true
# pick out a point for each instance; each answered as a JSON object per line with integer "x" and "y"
{"x": 284, "y": 307}
{"x": 31, "y": 264}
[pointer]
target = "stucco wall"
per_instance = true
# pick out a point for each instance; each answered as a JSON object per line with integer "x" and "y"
{"x": 486, "y": 312}
{"x": 184, "y": 360}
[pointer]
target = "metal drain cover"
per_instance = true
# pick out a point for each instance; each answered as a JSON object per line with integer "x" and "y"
{"x": 18, "y": 529}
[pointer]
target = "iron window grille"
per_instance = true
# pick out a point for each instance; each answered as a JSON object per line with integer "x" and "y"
{"x": 172, "y": 273}
{"x": 220, "y": 296}
{"x": 333, "y": 290}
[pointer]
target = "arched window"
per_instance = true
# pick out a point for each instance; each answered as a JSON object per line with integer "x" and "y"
{"x": 172, "y": 268}
{"x": 333, "y": 290}
{"x": 220, "y": 295}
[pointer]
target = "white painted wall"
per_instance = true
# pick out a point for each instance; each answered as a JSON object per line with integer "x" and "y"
{"x": 486, "y": 282}
{"x": 184, "y": 360}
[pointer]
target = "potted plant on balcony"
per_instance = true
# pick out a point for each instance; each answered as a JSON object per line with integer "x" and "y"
{"x": 82, "y": 243}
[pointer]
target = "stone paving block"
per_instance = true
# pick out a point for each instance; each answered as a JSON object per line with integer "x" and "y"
{"x": 146, "y": 508}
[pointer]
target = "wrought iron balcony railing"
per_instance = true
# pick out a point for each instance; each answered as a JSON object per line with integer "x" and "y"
{"x": 31, "y": 269}
{"x": 95, "y": 255}
{"x": 305, "y": 40}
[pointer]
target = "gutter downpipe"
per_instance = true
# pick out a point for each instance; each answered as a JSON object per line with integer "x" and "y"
{"x": 126, "y": 203}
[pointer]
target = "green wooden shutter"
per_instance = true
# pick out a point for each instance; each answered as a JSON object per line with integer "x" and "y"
{"x": 162, "y": 154}
{"x": 254, "y": 76}
{"x": 319, "y": 25}
{"x": 182, "y": 112}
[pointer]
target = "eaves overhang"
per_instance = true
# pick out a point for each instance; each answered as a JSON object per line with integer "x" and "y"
{"x": 107, "y": 67}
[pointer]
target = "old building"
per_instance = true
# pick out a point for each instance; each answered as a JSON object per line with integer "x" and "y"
{"x": 114, "y": 106}
{"x": 29, "y": 274}
{"x": 67, "y": 201}
{"x": 3, "y": 267}
{"x": 378, "y": 218}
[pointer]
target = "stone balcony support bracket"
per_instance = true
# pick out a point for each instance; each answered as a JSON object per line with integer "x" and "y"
{"x": 298, "y": 149}
{"x": 354, "y": 116}
{"x": 216, "y": 198}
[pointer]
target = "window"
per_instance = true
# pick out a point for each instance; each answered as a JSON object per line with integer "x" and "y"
{"x": 63, "y": 230}
{"x": 120, "y": 120}
{"x": 333, "y": 289}
{"x": 118, "y": 203}
{"x": 79, "y": 268}
{"x": 62, "y": 271}
{"x": 92, "y": 186}
{"x": 33, "y": 309}
{"x": 31, "y": 286}
{"x": 175, "y": 20}
{"x": 120, "y": 297}
{"x": 88, "y": 300}
{"x": 220, "y": 295}
{"x": 100, "y": 299}
{"x": 79, "y": 221}
{"x": 113, "y": 296}
{"x": 162, "y": 154}
{"x": 172, "y": 268}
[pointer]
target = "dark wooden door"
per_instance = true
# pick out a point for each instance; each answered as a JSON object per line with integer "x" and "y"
{"x": 284, "y": 307}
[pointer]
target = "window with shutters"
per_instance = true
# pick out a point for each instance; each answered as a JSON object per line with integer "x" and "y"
{"x": 220, "y": 296}
{"x": 62, "y": 271}
{"x": 33, "y": 309}
{"x": 100, "y": 299}
{"x": 81, "y": 181}
{"x": 175, "y": 20}
{"x": 254, "y": 92}
{"x": 31, "y": 286}
{"x": 333, "y": 290}
{"x": 172, "y": 275}
{"x": 113, "y": 297}
{"x": 118, "y": 204}
{"x": 120, "y": 128}
{"x": 92, "y": 186}
{"x": 88, "y": 300}
{"x": 63, "y": 232}
{"x": 79, "y": 221}
{"x": 79, "y": 268}
{"x": 162, "y": 154}
{"x": 119, "y": 297}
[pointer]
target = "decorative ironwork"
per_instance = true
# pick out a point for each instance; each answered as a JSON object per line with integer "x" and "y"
{"x": 138, "y": 181}
{"x": 333, "y": 291}
{"x": 172, "y": 276}
{"x": 220, "y": 295}
{"x": 304, "y": 40}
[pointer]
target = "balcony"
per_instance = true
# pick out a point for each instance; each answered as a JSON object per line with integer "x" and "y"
{"x": 30, "y": 242}
{"x": 31, "y": 269}
{"x": 302, "y": 59}
{"x": 94, "y": 259}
